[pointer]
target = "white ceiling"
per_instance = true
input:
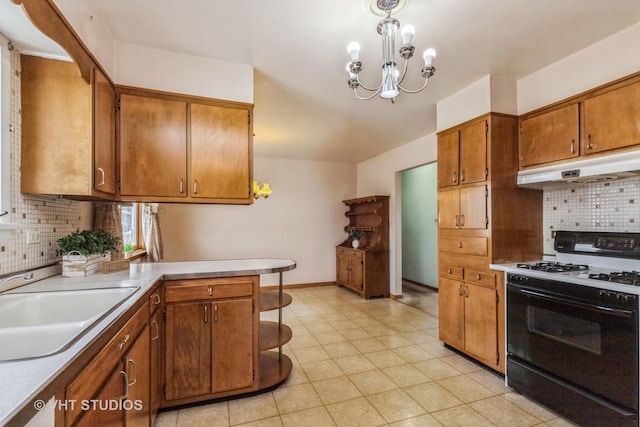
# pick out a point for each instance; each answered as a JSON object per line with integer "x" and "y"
{"x": 303, "y": 107}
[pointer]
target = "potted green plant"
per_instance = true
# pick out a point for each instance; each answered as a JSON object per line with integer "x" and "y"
{"x": 355, "y": 235}
{"x": 83, "y": 252}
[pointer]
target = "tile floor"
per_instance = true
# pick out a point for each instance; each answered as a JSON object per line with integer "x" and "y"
{"x": 370, "y": 363}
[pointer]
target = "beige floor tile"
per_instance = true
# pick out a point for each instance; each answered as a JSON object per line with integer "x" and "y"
{"x": 330, "y": 337}
{"x": 418, "y": 337}
{"x": 341, "y": 325}
{"x": 268, "y": 422}
{"x": 297, "y": 376}
{"x": 436, "y": 369}
{"x": 340, "y": 349}
{"x": 368, "y": 345}
{"x": 405, "y": 375}
{"x": 314, "y": 417}
{"x": 501, "y": 412}
{"x": 385, "y": 358}
{"x": 395, "y": 405}
{"x": 432, "y": 396}
{"x": 413, "y": 353}
{"x": 336, "y": 390}
{"x": 436, "y": 348}
{"x": 321, "y": 326}
{"x": 322, "y": 370}
{"x": 402, "y": 326}
{"x": 354, "y": 334}
{"x": 372, "y": 382}
{"x": 461, "y": 416}
{"x": 254, "y": 408}
{"x": 465, "y": 388}
{"x": 355, "y": 413}
{"x": 461, "y": 364}
{"x": 205, "y": 415}
{"x": 394, "y": 341}
{"x": 303, "y": 341}
{"x": 381, "y": 330}
{"x": 490, "y": 381}
{"x": 354, "y": 364}
{"x": 296, "y": 398}
{"x": 310, "y": 354}
{"x": 538, "y": 411}
{"x": 366, "y": 322}
{"x": 167, "y": 419}
{"x": 426, "y": 420}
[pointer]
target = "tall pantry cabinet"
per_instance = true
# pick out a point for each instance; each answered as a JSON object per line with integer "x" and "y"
{"x": 483, "y": 218}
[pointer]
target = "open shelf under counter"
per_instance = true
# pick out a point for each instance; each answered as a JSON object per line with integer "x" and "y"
{"x": 275, "y": 368}
{"x": 270, "y": 300}
{"x": 273, "y": 335}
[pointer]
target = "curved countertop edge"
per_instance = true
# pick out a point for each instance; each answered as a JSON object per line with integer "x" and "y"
{"x": 40, "y": 378}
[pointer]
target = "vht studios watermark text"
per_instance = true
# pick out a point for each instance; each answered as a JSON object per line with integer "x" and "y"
{"x": 91, "y": 405}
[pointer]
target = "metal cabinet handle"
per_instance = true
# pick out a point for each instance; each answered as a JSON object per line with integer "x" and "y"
{"x": 125, "y": 384}
{"x": 181, "y": 186}
{"x": 195, "y": 186}
{"x": 455, "y": 176}
{"x": 589, "y": 145}
{"x": 135, "y": 371}
{"x": 573, "y": 148}
{"x": 206, "y": 313}
{"x": 462, "y": 177}
{"x": 460, "y": 292}
{"x": 156, "y": 299}
{"x": 210, "y": 290}
{"x": 152, "y": 324}
{"x": 466, "y": 292}
{"x": 215, "y": 313}
{"x": 101, "y": 173}
{"x": 448, "y": 271}
{"x": 460, "y": 245}
{"x": 455, "y": 221}
{"x": 123, "y": 342}
{"x": 461, "y": 220}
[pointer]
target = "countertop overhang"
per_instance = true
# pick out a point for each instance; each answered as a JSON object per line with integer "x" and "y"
{"x": 25, "y": 382}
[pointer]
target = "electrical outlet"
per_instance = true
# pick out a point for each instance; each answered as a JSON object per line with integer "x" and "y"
{"x": 33, "y": 237}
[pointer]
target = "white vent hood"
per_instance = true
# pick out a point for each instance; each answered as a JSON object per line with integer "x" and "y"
{"x": 604, "y": 168}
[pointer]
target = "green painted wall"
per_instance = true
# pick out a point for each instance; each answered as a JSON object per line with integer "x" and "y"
{"x": 419, "y": 226}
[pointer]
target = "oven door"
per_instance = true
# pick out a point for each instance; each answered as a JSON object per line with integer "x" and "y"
{"x": 587, "y": 344}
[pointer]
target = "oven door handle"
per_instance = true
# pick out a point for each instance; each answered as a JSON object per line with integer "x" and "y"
{"x": 591, "y": 307}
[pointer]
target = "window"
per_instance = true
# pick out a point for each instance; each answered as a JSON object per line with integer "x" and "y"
{"x": 131, "y": 238}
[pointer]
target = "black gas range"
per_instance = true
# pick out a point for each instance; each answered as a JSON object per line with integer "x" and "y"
{"x": 573, "y": 328}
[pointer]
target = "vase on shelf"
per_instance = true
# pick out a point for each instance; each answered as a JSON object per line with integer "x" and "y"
{"x": 355, "y": 243}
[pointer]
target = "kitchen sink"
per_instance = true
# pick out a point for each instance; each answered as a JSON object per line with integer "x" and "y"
{"x": 44, "y": 323}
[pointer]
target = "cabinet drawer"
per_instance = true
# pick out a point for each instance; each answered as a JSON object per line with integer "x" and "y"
{"x": 479, "y": 277}
{"x": 453, "y": 272}
{"x": 464, "y": 245}
{"x": 86, "y": 384}
{"x": 204, "y": 289}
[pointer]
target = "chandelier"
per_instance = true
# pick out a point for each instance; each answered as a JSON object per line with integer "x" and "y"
{"x": 390, "y": 87}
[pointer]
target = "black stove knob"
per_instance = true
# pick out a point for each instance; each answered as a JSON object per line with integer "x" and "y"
{"x": 622, "y": 298}
{"x": 604, "y": 294}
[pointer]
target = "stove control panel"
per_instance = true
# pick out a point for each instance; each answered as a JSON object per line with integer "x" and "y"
{"x": 616, "y": 243}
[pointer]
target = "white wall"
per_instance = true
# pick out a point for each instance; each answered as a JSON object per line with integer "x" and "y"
{"x": 607, "y": 60}
{"x": 381, "y": 175}
{"x": 303, "y": 219}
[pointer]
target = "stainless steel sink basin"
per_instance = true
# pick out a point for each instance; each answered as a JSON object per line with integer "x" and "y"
{"x": 43, "y": 323}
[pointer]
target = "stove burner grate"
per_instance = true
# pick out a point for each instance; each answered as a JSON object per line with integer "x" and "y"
{"x": 554, "y": 267}
{"x": 622, "y": 277}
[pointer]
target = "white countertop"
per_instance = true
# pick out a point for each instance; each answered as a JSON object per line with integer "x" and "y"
{"x": 23, "y": 382}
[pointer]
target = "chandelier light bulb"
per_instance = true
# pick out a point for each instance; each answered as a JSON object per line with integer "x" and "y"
{"x": 407, "y": 33}
{"x": 428, "y": 56}
{"x": 354, "y": 50}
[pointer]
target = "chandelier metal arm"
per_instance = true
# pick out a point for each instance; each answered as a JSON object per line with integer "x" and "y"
{"x": 364, "y": 98}
{"x": 426, "y": 80}
{"x": 370, "y": 89}
{"x": 404, "y": 72}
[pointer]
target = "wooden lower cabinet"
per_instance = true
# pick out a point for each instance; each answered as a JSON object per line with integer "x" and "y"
{"x": 365, "y": 272}
{"x": 469, "y": 319}
{"x": 211, "y": 338}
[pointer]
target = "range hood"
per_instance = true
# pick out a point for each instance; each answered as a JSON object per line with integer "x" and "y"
{"x": 594, "y": 169}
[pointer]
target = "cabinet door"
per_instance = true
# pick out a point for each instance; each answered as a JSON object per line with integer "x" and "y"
{"x": 342, "y": 266}
{"x": 153, "y": 147}
{"x": 220, "y": 152}
{"x": 451, "y": 312}
{"x": 473, "y": 208}
{"x": 155, "y": 358}
{"x": 549, "y": 137}
{"x": 188, "y": 350}
{"x": 356, "y": 270}
{"x": 449, "y": 209}
{"x": 448, "y": 159}
{"x": 104, "y": 134}
{"x": 113, "y": 390}
{"x": 473, "y": 153}
{"x": 138, "y": 371}
{"x": 481, "y": 317}
{"x": 232, "y": 339}
{"x": 612, "y": 120}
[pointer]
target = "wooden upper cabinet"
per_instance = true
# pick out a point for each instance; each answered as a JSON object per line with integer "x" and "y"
{"x": 612, "y": 119}
{"x": 462, "y": 155}
{"x": 68, "y": 137}
{"x": 464, "y": 208}
{"x": 153, "y": 147}
{"x": 473, "y": 152}
{"x": 550, "y": 136}
{"x": 104, "y": 125}
{"x": 448, "y": 160}
{"x": 220, "y": 152}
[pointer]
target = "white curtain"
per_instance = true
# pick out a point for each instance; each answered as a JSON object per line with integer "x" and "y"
{"x": 151, "y": 231}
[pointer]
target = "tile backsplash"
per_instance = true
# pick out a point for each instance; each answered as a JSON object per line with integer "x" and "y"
{"x": 46, "y": 217}
{"x": 599, "y": 206}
